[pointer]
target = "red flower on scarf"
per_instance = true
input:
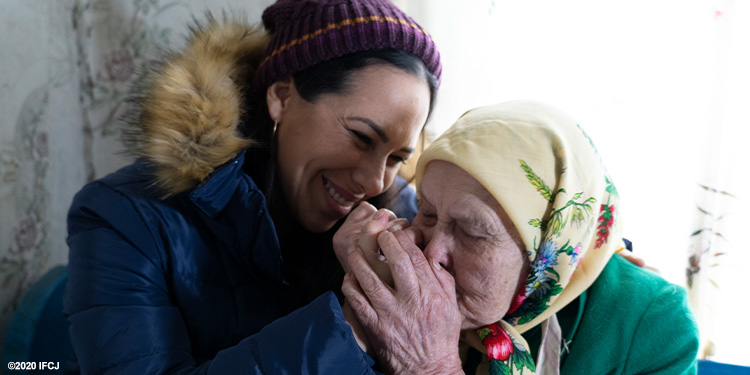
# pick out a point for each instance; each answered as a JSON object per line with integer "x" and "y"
{"x": 498, "y": 343}
{"x": 606, "y": 219}
{"x": 518, "y": 301}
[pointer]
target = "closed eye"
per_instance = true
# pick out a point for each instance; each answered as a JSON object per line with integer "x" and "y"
{"x": 469, "y": 235}
{"x": 398, "y": 159}
{"x": 362, "y": 137}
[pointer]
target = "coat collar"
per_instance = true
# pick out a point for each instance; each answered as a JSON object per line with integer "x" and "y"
{"x": 212, "y": 196}
{"x": 185, "y": 112}
{"x": 235, "y": 210}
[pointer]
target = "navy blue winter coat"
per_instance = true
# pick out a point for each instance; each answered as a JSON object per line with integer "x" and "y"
{"x": 193, "y": 283}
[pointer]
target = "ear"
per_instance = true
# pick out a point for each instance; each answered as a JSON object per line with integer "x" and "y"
{"x": 278, "y": 96}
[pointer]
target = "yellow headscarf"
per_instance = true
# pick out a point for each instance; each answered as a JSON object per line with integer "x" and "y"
{"x": 546, "y": 173}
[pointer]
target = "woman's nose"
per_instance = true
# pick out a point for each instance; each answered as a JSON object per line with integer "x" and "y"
{"x": 371, "y": 177}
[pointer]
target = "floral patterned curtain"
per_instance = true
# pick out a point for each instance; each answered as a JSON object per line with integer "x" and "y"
{"x": 66, "y": 68}
{"x": 717, "y": 254}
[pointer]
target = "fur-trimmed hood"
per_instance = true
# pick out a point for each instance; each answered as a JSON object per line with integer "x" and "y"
{"x": 186, "y": 110}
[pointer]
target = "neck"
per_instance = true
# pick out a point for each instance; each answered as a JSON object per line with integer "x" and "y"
{"x": 310, "y": 265}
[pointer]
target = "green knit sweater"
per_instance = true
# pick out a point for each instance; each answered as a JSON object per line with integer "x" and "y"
{"x": 630, "y": 321}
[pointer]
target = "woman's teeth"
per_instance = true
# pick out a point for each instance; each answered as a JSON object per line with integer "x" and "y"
{"x": 332, "y": 192}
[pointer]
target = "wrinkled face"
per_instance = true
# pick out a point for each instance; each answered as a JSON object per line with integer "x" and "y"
{"x": 346, "y": 147}
{"x": 468, "y": 232}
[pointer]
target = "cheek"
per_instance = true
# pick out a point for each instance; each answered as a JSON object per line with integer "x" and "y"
{"x": 291, "y": 170}
{"x": 476, "y": 278}
{"x": 310, "y": 147}
{"x": 488, "y": 286}
{"x": 478, "y": 299}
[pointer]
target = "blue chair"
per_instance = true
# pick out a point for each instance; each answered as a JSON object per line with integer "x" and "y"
{"x": 38, "y": 331}
{"x": 716, "y": 368}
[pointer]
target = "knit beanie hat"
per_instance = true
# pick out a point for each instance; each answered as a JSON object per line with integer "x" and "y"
{"x": 308, "y": 32}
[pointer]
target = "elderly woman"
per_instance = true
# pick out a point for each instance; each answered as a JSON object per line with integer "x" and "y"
{"x": 518, "y": 223}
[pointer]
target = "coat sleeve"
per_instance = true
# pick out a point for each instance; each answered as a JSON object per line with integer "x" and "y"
{"x": 123, "y": 321}
{"x": 405, "y": 205}
{"x": 666, "y": 338}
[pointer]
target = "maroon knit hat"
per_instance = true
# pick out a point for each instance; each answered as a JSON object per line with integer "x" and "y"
{"x": 308, "y": 32}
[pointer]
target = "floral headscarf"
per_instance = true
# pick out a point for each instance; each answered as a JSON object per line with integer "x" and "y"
{"x": 546, "y": 173}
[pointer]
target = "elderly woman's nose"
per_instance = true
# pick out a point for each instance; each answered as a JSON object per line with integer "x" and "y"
{"x": 438, "y": 248}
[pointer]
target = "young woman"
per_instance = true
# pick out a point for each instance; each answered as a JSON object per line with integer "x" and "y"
{"x": 212, "y": 252}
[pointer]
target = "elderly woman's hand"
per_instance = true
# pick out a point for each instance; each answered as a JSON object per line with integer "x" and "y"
{"x": 413, "y": 328}
{"x": 636, "y": 260}
{"x": 359, "y": 234}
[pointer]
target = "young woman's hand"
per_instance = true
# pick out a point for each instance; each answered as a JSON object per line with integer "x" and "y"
{"x": 414, "y": 325}
{"x": 359, "y": 233}
{"x": 346, "y": 238}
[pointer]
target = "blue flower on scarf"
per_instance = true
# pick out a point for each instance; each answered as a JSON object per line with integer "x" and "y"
{"x": 546, "y": 258}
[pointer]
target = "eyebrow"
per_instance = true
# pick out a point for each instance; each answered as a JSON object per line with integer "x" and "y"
{"x": 379, "y": 131}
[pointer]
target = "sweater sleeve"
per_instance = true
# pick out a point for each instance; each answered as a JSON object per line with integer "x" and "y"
{"x": 669, "y": 335}
{"x": 123, "y": 320}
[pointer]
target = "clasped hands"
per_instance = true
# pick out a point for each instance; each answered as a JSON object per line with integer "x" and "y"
{"x": 401, "y": 305}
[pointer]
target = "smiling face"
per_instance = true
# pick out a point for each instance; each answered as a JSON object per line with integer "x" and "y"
{"x": 346, "y": 147}
{"x": 469, "y": 233}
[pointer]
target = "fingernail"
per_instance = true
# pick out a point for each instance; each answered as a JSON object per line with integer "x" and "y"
{"x": 437, "y": 265}
{"x": 379, "y": 215}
